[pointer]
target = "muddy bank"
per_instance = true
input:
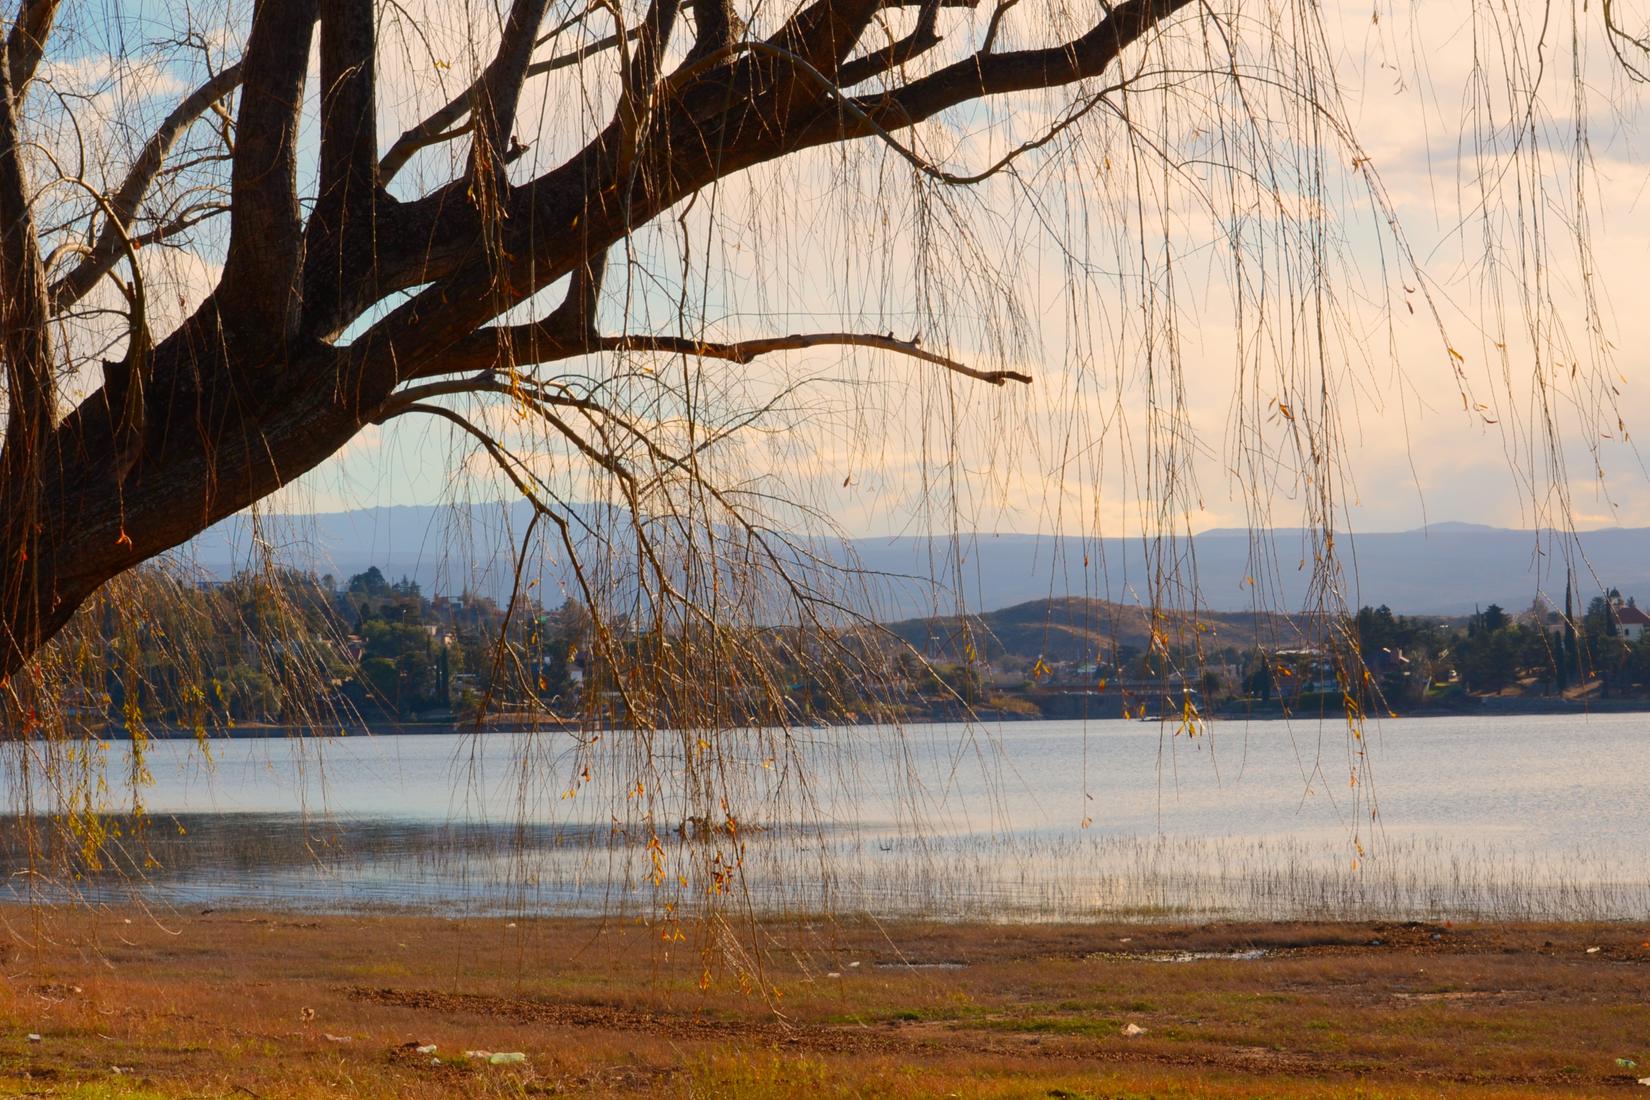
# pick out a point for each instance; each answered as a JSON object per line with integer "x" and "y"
{"x": 222, "y": 1004}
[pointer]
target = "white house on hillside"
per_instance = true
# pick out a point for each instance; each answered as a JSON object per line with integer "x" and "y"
{"x": 1630, "y": 621}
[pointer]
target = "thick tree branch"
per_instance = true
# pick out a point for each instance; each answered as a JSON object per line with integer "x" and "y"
{"x": 26, "y": 358}
{"x": 716, "y": 28}
{"x": 221, "y": 432}
{"x": 25, "y": 333}
{"x": 715, "y": 120}
{"x": 825, "y": 31}
{"x": 575, "y": 317}
{"x": 126, "y": 383}
{"x": 990, "y": 74}
{"x": 259, "y": 292}
{"x": 998, "y": 14}
{"x": 497, "y": 94}
{"x": 444, "y": 123}
{"x": 128, "y": 197}
{"x": 339, "y": 254}
{"x": 922, "y": 39}
{"x": 640, "y": 77}
{"x": 26, "y": 43}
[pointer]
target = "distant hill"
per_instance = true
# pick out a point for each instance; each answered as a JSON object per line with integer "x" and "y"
{"x": 1079, "y": 629}
{"x": 444, "y": 549}
{"x": 1447, "y": 568}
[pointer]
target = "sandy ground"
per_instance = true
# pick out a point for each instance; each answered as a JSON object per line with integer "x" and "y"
{"x": 134, "y": 1004}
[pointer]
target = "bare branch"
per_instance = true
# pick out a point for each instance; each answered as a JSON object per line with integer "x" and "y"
{"x": 128, "y": 197}
{"x": 745, "y": 351}
{"x": 996, "y": 25}
{"x": 444, "y": 124}
{"x": 582, "y": 53}
{"x": 983, "y": 74}
{"x": 1631, "y": 50}
{"x": 539, "y": 342}
{"x": 922, "y": 39}
{"x": 125, "y": 383}
{"x": 187, "y": 219}
{"x": 525, "y": 482}
{"x": 491, "y": 382}
{"x": 496, "y": 94}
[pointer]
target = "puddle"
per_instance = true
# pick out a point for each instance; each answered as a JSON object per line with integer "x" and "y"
{"x": 1182, "y": 956}
{"x": 1199, "y": 956}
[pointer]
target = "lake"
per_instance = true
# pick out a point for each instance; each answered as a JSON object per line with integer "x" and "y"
{"x": 1512, "y": 817}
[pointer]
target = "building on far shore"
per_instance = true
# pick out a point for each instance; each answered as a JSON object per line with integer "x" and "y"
{"x": 1630, "y": 621}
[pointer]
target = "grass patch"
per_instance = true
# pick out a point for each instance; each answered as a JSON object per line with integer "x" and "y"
{"x": 1086, "y": 1027}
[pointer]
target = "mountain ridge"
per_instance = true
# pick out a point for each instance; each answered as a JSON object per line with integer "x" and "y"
{"x": 1446, "y": 568}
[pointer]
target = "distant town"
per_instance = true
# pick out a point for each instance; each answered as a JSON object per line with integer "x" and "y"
{"x": 292, "y": 649}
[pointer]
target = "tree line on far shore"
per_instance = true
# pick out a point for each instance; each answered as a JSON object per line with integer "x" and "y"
{"x": 1541, "y": 651}
{"x": 288, "y": 647}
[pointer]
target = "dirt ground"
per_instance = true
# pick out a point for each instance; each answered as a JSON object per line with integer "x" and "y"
{"x": 140, "y": 1005}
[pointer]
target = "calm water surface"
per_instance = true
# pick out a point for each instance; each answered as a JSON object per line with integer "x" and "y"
{"x": 1530, "y": 816}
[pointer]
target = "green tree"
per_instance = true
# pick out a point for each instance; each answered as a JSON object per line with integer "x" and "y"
{"x": 1258, "y": 679}
{"x": 1487, "y": 660}
{"x": 369, "y": 583}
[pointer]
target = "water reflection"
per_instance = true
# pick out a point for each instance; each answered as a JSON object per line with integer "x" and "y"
{"x": 1519, "y": 818}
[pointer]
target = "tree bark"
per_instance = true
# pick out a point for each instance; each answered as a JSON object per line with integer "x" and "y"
{"x": 250, "y": 392}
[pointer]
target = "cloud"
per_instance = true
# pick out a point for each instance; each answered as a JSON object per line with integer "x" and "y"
{"x": 1193, "y": 359}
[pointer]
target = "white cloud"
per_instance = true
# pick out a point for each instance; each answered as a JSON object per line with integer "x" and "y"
{"x": 1153, "y": 391}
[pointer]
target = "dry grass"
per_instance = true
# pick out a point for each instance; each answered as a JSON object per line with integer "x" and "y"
{"x": 223, "y": 1005}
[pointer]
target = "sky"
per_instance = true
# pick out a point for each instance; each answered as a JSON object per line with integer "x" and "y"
{"x": 1223, "y": 337}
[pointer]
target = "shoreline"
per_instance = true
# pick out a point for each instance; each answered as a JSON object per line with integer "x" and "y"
{"x": 1481, "y": 706}
{"x": 163, "y": 1005}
